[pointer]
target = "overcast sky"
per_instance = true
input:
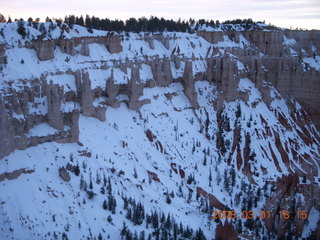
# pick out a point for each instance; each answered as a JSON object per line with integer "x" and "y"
{"x": 283, "y": 13}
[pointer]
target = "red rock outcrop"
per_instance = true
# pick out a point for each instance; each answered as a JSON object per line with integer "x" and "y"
{"x": 226, "y": 232}
{"x": 214, "y": 202}
{"x": 153, "y": 176}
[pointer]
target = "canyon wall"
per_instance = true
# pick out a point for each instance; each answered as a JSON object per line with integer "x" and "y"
{"x": 265, "y": 56}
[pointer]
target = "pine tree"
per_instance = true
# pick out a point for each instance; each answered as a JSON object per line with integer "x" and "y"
{"x": 205, "y": 160}
{"x": 135, "y": 235}
{"x": 142, "y": 235}
{"x": 124, "y": 229}
{"x": 233, "y": 176}
{"x": 98, "y": 178}
{"x": 193, "y": 147}
{"x": 129, "y": 214}
{"x": 100, "y": 237}
{"x": 104, "y": 205}
{"x": 82, "y": 183}
{"x": 135, "y": 175}
{"x": 155, "y": 221}
{"x": 104, "y": 179}
{"x": 168, "y": 222}
{"x": 77, "y": 170}
{"x": 109, "y": 187}
{"x": 238, "y": 112}
{"x": 172, "y": 194}
{"x": 199, "y": 235}
{"x": 168, "y": 200}
{"x": 102, "y": 190}
{"x": 226, "y": 181}
{"x": 21, "y": 29}
{"x": 190, "y": 179}
{"x": 175, "y": 231}
{"x": 90, "y": 184}
{"x": 218, "y": 177}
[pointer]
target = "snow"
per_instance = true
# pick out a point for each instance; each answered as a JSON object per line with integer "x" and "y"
{"x": 145, "y": 73}
{"x": 289, "y": 41}
{"x": 177, "y": 73}
{"x": 42, "y": 130}
{"x": 246, "y": 85}
{"x": 39, "y": 107}
{"x": 313, "y": 62}
{"x": 99, "y": 78}
{"x": 240, "y": 66}
{"x": 67, "y": 107}
{"x": 18, "y": 116}
{"x": 65, "y": 80}
{"x": 53, "y": 32}
{"x": 121, "y": 77}
{"x": 293, "y": 52}
{"x": 99, "y": 102}
{"x": 199, "y": 66}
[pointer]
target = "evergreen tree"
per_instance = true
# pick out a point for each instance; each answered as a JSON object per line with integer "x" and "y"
{"x": 233, "y": 176}
{"x": 98, "y": 178}
{"x": 88, "y": 22}
{"x": 238, "y": 112}
{"x": 21, "y": 29}
{"x": 104, "y": 205}
{"x": 226, "y": 181}
{"x": 82, "y": 182}
{"x": 109, "y": 187}
{"x": 142, "y": 235}
{"x": 124, "y": 229}
{"x": 168, "y": 222}
{"x": 90, "y": 184}
{"x": 199, "y": 235}
{"x": 155, "y": 221}
{"x": 205, "y": 160}
{"x": 102, "y": 190}
{"x": 77, "y": 170}
{"x": 104, "y": 180}
{"x": 135, "y": 175}
{"x": 168, "y": 200}
{"x": 175, "y": 231}
{"x": 135, "y": 237}
{"x": 129, "y": 214}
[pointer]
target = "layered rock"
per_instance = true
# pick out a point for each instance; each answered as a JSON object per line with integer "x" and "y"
{"x": 45, "y": 49}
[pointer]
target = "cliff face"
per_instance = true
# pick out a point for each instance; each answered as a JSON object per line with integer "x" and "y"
{"x": 48, "y": 83}
{"x": 277, "y": 57}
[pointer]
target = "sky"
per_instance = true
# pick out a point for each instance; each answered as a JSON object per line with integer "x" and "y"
{"x": 283, "y": 13}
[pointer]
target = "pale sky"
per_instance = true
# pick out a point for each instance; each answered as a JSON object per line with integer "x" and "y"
{"x": 282, "y": 13}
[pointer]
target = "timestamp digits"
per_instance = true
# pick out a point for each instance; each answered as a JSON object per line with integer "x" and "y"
{"x": 262, "y": 214}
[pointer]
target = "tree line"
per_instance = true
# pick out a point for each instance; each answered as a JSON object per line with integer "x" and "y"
{"x": 142, "y": 24}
